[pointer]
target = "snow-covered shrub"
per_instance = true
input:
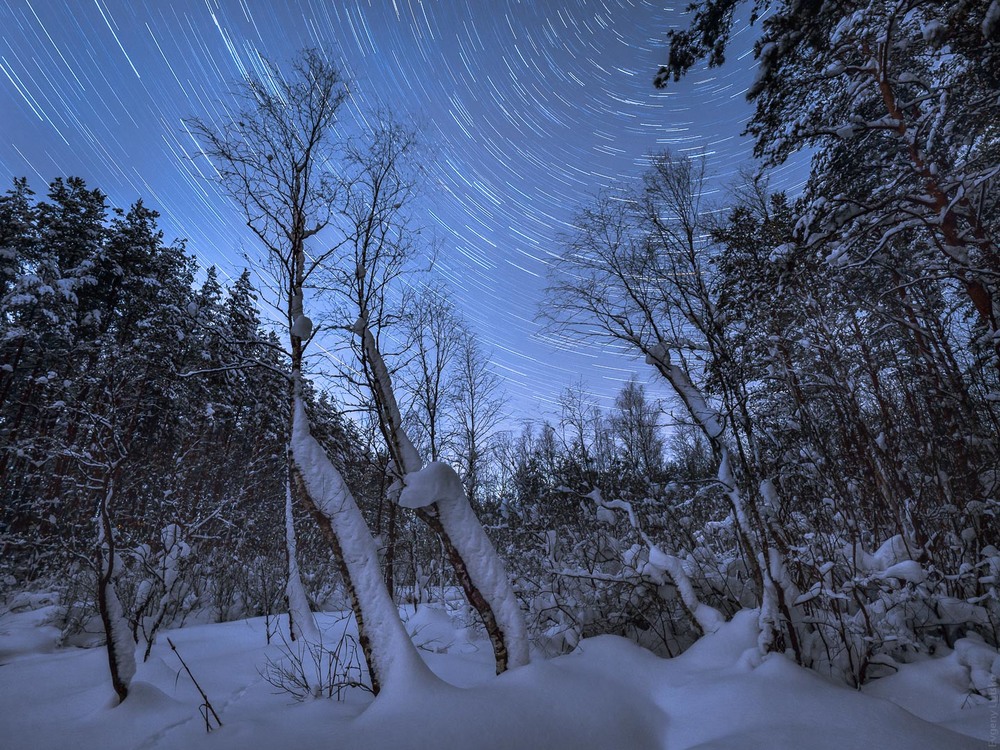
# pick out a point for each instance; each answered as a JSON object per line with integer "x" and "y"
{"x": 156, "y": 584}
{"x": 592, "y": 574}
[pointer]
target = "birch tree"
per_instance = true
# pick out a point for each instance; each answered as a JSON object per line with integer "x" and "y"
{"x": 275, "y": 156}
{"x": 380, "y": 231}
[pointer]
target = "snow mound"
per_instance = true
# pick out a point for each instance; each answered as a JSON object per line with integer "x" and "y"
{"x": 430, "y": 628}
{"x": 609, "y": 693}
{"x": 29, "y": 630}
{"x": 716, "y": 698}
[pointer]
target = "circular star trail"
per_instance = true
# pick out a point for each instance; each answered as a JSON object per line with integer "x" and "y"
{"x": 528, "y": 108}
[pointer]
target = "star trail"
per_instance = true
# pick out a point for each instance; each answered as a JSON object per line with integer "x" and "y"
{"x": 527, "y": 109}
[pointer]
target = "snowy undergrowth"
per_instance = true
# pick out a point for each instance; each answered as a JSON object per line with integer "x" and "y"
{"x": 609, "y": 693}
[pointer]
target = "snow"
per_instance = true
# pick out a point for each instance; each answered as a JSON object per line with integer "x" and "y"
{"x": 609, "y": 693}
{"x": 706, "y": 416}
{"x": 708, "y": 618}
{"x": 432, "y": 629}
{"x": 302, "y": 327}
{"x": 605, "y": 516}
{"x": 437, "y": 482}
{"x": 908, "y": 570}
{"x": 657, "y": 354}
{"x": 27, "y": 627}
{"x": 660, "y": 566}
{"x": 931, "y": 31}
{"x": 303, "y": 622}
{"x": 939, "y": 690}
{"x": 121, "y": 638}
{"x": 408, "y": 455}
{"x": 487, "y": 572}
{"x": 983, "y": 664}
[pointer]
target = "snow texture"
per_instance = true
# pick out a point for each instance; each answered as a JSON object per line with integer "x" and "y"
{"x": 907, "y": 570}
{"x": 706, "y": 416}
{"x": 708, "y": 618}
{"x": 121, "y": 637}
{"x": 487, "y": 572}
{"x": 409, "y": 456}
{"x": 983, "y": 664}
{"x": 302, "y": 327}
{"x": 608, "y": 694}
{"x": 437, "y": 482}
{"x": 120, "y": 647}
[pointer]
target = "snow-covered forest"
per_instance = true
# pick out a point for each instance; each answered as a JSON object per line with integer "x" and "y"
{"x": 213, "y": 538}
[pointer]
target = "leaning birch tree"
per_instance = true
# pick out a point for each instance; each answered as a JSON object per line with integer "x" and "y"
{"x": 378, "y": 247}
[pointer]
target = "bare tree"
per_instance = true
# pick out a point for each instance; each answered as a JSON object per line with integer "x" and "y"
{"x": 274, "y": 156}
{"x": 435, "y": 336}
{"x": 379, "y": 245}
{"x": 455, "y": 397}
{"x": 480, "y": 409}
{"x": 636, "y": 268}
{"x": 634, "y": 423}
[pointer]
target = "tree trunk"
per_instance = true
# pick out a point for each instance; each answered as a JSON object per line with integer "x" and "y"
{"x": 301, "y": 622}
{"x": 478, "y": 567}
{"x": 117, "y": 638}
{"x": 392, "y": 659}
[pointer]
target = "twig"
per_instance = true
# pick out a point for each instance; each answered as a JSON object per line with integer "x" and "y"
{"x": 205, "y": 707}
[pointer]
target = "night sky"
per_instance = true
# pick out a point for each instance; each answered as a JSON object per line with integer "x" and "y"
{"x": 528, "y": 108}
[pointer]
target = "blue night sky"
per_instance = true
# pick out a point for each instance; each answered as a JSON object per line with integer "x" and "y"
{"x": 528, "y": 109}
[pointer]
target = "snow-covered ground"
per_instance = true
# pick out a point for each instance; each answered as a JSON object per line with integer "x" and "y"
{"x": 608, "y": 694}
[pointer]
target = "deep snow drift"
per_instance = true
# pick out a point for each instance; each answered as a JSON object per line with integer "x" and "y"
{"x": 608, "y": 694}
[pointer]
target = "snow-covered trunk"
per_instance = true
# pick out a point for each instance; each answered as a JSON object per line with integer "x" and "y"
{"x": 392, "y": 659}
{"x": 478, "y": 568}
{"x": 118, "y": 638}
{"x": 301, "y": 622}
{"x": 763, "y": 560}
{"x": 480, "y": 572}
{"x": 756, "y": 551}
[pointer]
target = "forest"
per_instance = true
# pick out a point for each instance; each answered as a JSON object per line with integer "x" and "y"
{"x": 819, "y": 491}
